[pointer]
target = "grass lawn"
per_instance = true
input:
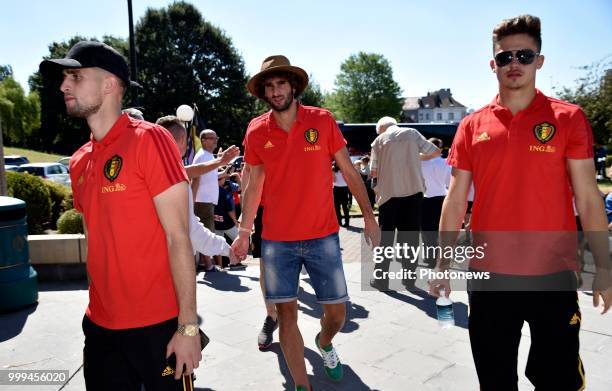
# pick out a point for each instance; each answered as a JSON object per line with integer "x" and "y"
{"x": 33, "y": 156}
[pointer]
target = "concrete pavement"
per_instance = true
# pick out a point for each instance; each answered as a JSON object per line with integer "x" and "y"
{"x": 391, "y": 341}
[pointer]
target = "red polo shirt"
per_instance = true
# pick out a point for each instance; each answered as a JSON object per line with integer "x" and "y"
{"x": 521, "y": 182}
{"x": 297, "y": 164}
{"x": 114, "y": 181}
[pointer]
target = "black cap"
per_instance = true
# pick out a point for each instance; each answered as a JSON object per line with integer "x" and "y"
{"x": 88, "y": 54}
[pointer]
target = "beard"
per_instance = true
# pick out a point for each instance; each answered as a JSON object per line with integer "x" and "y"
{"x": 83, "y": 110}
{"x": 283, "y": 107}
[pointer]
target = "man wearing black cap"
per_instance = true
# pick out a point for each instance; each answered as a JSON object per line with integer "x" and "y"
{"x": 292, "y": 148}
{"x": 141, "y": 325}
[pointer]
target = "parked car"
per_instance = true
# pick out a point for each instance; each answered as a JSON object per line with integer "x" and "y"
{"x": 55, "y": 172}
{"x": 66, "y": 162}
{"x": 15, "y": 160}
{"x": 10, "y": 167}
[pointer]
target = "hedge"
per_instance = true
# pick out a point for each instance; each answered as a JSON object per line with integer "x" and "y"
{"x": 37, "y": 197}
{"x": 70, "y": 222}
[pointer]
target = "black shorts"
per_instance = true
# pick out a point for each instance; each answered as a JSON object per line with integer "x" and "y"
{"x": 495, "y": 323}
{"x": 127, "y": 359}
{"x": 256, "y": 236}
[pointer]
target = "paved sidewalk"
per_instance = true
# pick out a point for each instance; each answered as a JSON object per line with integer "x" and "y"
{"x": 390, "y": 341}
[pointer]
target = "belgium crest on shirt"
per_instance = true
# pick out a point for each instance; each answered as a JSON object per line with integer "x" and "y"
{"x": 544, "y": 132}
{"x": 311, "y": 135}
{"x": 112, "y": 167}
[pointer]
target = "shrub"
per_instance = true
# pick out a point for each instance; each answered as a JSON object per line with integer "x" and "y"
{"x": 36, "y": 195}
{"x": 70, "y": 222}
{"x": 59, "y": 195}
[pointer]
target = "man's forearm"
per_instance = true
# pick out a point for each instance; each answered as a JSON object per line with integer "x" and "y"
{"x": 250, "y": 203}
{"x": 355, "y": 184}
{"x": 195, "y": 170}
{"x": 594, "y": 225}
{"x": 453, "y": 212}
{"x": 182, "y": 268}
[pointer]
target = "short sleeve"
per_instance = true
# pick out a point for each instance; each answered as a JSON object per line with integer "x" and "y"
{"x": 580, "y": 138}
{"x": 459, "y": 156}
{"x": 250, "y": 155}
{"x": 374, "y": 155}
{"x": 425, "y": 146}
{"x": 336, "y": 139}
{"x": 159, "y": 160}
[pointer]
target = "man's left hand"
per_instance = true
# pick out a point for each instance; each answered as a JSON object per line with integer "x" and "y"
{"x": 602, "y": 286}
{"x": 372, "y": 232}
{"x": 187, "y": 351}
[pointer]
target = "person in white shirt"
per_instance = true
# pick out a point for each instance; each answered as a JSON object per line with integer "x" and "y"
{"x": 342, "y": 197}
{"x": 203, "y": 240}
{"x": 436, "y": 174}
{"x": 205, "y": 188}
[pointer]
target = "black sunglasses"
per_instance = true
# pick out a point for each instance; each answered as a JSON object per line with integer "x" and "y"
{"x": 524, "y": 56}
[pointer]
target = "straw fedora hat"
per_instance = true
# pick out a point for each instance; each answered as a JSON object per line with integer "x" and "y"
{"x": 273, "y": 64}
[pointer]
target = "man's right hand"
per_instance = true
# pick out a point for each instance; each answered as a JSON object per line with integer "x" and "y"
{"x": 438, "y": 284}
{"x": 228, "y": 155}
{"x": 240, "y": 247}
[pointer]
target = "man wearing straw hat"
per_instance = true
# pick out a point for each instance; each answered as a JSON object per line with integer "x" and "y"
{"x": 292, "y": 147}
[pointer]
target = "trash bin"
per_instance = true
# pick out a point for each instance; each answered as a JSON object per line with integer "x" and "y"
{"x": 18, "y": 280}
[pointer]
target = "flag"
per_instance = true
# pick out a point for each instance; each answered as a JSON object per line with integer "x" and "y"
{"x": 197, "y": 125}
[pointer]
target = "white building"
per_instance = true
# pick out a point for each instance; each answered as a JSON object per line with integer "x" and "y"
{"x": 438, "y": 106}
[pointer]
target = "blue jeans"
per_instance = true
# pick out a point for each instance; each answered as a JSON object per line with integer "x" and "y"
{"x": 322, "y": 259}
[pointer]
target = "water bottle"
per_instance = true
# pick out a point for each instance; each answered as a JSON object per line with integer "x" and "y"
{"x": 444, "y": 307}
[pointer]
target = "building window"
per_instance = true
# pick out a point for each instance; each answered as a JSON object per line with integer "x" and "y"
{"x": 451, "y": 116}
{"x": 420, "y": 116}
{"x": 439, "y": 116}
{"x": 428, "y": 117}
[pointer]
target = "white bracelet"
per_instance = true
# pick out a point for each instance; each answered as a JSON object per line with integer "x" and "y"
{"x": 242, "y": 229}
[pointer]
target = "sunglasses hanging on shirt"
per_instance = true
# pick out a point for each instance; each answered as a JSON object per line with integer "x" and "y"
{"x": 523, "y": 56}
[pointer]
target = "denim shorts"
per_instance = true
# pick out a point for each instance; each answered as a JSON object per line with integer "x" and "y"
{"x": 322, "y": 259}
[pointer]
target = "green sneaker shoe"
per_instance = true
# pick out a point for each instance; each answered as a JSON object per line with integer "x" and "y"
{"x": 333, "y": 366}
{"x": 302, "y": 388}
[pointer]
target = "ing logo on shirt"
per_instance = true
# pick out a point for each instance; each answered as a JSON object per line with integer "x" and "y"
{"x": 544, "y": 132}
{"x": 311, "y": 135}
{"x": 112, "y": 167}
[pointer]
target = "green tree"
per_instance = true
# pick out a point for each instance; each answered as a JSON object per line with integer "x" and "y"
{"x": 184, "y": 59}
{"x": 58, "y": 132}
{"x": 312, "y": 95}
{"x": 5, "y": 71}
{"x": 20, "y": 114}
{"x": 365, "y": 89}
{"x": 593, "y": 92}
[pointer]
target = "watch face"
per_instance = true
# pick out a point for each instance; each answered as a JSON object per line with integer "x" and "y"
{"x": 191, "y": 330}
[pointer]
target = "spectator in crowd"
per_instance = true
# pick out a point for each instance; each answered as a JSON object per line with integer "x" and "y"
{"x": 436, "y": 174}
{"x": 205, "y": 187}
{"x": 366, "y": 175}
{"x": 396, "y": 165}
{"x": 226, "y": 223}
{"x": 202, "y": 239}
{"x": 341, "y": 197}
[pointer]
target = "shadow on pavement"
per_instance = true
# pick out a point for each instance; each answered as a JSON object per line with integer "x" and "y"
{"x": 225, "y": 281}
{"x": 77, "y": 285}
{"x": 13, "y": 322}
{"x": 351, "y": 381}
{"x": 307, "y": 303}
{"x": 427, "y": 304}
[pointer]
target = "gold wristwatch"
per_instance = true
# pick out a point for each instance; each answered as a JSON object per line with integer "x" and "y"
{"x": 189, "y": 330}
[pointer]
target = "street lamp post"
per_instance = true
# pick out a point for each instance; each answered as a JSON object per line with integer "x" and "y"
{"x": 3, "y": 189}
{"x": 133, "y": 64}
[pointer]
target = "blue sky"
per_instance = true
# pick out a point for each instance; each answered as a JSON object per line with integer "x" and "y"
{"x": 430, "y": 45}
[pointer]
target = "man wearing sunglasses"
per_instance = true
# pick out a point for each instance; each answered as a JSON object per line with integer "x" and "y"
{"x": 527, "y": 155}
